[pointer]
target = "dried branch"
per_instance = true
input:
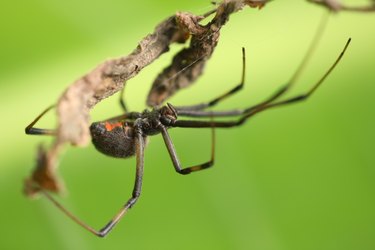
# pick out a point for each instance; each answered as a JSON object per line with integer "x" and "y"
{"x": 109, "y": 77}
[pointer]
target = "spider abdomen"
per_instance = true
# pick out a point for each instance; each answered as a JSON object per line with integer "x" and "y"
{"x": 113, "y": 139}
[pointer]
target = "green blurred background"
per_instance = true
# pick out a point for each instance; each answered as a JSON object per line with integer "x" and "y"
{"x": 298, "y": 177}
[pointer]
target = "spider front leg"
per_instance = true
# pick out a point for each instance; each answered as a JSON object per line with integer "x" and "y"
{"x": 272, "y": 101}
{"x": 122, "y": 98}
{"x": 174, "y": 157}
{"x": 249, "y": 112}
{"x": 122, "y": 101}
{"x": 140, "y": 145}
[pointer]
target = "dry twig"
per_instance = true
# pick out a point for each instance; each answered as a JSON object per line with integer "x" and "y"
{"x": 109, "y": 77}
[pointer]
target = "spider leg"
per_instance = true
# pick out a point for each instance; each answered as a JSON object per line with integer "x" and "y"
{"x": 243, "y": 119}
{"x": 174, "y": 157}
{"x": 249, "y": 112}
{"x": 30, "y": 130}
{"x": 268, "y": 102}
{"x": 136, "y": 190}
{"x": 204, "y": 113}
{"x": 213, "y": 102}
{"x": 135, "y": 195}
{"x": 122, "y": 100}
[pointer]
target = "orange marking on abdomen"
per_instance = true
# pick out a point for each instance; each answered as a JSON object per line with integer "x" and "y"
{"x": 111, "y": 126}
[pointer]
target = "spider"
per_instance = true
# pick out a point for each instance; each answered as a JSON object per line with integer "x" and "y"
{"x": 125, "y": 135}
